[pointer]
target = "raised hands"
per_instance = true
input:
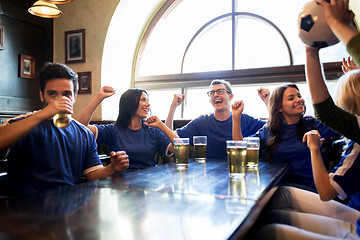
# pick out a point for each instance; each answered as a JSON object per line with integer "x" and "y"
{"x": 119, "y": 160}
{"x": 339, "y": 17}
{"x": 348, "y": 65}
{"x": 264, "y": 94}
{"x": 89, "y": 110}
{"x": 337, "y": 11}
{"x": 177, "y": 100}
{"x": 237, "y": 108}
{"x": 106, "y": 92}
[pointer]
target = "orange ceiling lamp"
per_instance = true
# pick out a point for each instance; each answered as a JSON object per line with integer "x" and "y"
{"x": 57, "y": 1}
{"x": 45, "y": 9}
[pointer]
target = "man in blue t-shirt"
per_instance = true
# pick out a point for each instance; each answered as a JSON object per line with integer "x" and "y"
{"x": 40, "y": 155}
{"x": 217, "y": 126}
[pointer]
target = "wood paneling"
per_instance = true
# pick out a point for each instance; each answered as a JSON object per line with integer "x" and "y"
{"x": 24, "y": 34}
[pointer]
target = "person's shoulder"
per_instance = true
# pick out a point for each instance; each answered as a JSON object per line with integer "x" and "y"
{"x": 310, "y": 120}
{"x": 205, "y": 116}
{"x": 265, "y": 128}
{"x": 110, "y": 126}
{"x": 150, "y": 130}
{"x": 202, "y": 118}
{"x": 248, "y": 117}
{"x": 79, "y": 126}
{"x": 17, "y": 118}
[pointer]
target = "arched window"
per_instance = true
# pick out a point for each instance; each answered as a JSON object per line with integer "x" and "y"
{"x": 188, "y": 43}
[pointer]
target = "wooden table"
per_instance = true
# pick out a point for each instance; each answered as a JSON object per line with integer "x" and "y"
{"x": 155, "y": 203}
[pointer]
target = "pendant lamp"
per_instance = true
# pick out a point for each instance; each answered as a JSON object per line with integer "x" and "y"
{"x": 45, "y": 9}
{"x": 57, "y": 1}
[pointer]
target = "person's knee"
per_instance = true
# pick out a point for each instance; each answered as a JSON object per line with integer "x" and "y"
{"x": 267, "y": 232}
{"x": 277, "y": 216}
{"x": 283, "y": 231}
{"x": 281, "y": 198}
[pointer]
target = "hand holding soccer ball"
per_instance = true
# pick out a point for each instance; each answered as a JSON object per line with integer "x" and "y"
{"x": 313, "y": 29}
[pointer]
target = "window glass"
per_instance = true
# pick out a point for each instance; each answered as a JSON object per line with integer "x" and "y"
{"x": 196, "y": 103}
{"x": 251, "y": 49}
{"x": 205, "y": 54}
{"x": 160, "y": 101}
{"x": 256, "y": 44}
{"x": 286, "y": 21}
{"x": 167, "y": 42}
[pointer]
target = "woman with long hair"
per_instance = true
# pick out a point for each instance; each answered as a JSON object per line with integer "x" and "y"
{"x": 281, "y": 137}
{"x": 134, "y": 131}
{"x": 319, "y": 216}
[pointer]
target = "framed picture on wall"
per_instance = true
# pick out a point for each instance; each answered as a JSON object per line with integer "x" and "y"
{"x": 84, "y": 79}
{"x": 2, "y": 37}
{"x": 75, "y": 46}
{"x": 26, "y": 66}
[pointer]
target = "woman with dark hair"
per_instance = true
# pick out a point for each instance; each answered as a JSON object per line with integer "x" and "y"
{"x": 306, "y": 215}
{"x": 281, "y": 138}
{"x": 134, "y": 132}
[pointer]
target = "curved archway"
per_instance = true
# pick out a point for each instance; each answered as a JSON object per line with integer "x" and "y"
{"x": 121, "y": 43}
{"x": 246, "y": 14}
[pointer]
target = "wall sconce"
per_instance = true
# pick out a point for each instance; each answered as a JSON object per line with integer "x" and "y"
{"x": 45, "y": 9}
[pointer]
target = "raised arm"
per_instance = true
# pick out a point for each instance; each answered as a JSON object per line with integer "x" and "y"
{"x": 321, "y": 177}
{"x": 14, "y": 132}
{"x": 338, "y": 17}
{"x": 177, "y": 100}
{"x": 264, "y": 94}
{"x": 237, "y": 109}
{"x": 314, "y": 76}
{"x": 154, "y": 121}
{"x": 348, "y": 65}
{"x": 86, "y": 115}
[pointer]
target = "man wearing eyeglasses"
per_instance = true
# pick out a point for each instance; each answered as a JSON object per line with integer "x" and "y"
{"x": 216, "y": 126}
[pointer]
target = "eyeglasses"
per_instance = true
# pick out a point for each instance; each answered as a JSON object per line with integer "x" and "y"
{"x": 219, "y": 91}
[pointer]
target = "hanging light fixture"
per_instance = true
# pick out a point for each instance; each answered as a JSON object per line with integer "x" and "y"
{"x": 45, "y": 10}
{"x": 57, "y": 1}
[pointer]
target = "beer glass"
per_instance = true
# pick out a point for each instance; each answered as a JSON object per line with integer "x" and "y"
{"x": 181, "y": 146}
{"x": 252, "y": 154}
{"x": 236, "y": 153}
{"x": 62, "y": 120}
{"x": 200, "y": 143}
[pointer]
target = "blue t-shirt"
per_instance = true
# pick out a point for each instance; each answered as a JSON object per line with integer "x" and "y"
{"x": 218, "y": 132}
{"x": 346, "y": 175}
{"x": 140, "y": 145}
{"x": 49, "y": 157}
{"x": 291, "y": 149}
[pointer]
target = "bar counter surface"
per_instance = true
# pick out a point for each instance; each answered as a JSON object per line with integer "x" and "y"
{"x": 155, "y": 203}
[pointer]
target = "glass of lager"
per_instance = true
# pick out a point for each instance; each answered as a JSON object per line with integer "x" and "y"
{"x": 236, "y": 152}
{"x": 200, "y": 143}
{"x": 252, "y": 154}
{"x": 181, "y": 146}
{"x": 62, "y": 120}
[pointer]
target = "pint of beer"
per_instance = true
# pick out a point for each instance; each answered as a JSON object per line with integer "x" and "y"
{"x": 236, "y": 152}
{"x": 200, "y": 143}
{"x": 62, "y": 120}
{"x": 252, "y": 154}
{"x": 181, "y": 146}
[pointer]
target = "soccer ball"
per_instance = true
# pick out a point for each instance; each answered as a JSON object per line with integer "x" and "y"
{"x": 313, "y": 29}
